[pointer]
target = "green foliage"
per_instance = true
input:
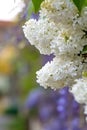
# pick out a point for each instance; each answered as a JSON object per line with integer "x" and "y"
{"x": 18, "y": 123}
{"x": 37, "y": 4}
{"x": 30, "y": 8}
{"x": 13, "y": 110}
{"x": 84, "y": 74}
{"x": 80, "y": 4}
{"x": 30, "y": 57}
{"x": 84, "y": 50}
{"x": 34, "y": 6}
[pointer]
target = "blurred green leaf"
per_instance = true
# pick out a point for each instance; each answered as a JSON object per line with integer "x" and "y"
{"x": 30, "y": 57}
{"x": 19, "y": 123}
{"x": 84, "y": 50}
{"x": 30, "y": 9}
{"x": 11, "y": 111}
{"x": 37, "y": 4}
{"x": 80, "y": 4}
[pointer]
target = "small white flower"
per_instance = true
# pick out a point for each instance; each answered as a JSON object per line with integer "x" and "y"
{"x": 69, "y": 41}
{"x": 79, "y": 90}
{"x": 40, "y": 33}
{"x": 62, "y": 11}
{"x": 60, "y": 72}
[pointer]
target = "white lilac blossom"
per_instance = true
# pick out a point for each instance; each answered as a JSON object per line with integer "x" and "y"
{"x": 69, "y": 41}
{"x": 67, "y": 35}
{"x": 79, "y": 90}
{"x": 40, "y": 33}
{"x": 60, "y": 72}
{"x": 59, "y": 10}
{"x": 61, "y": 31}
{"x": 50, "y": 36}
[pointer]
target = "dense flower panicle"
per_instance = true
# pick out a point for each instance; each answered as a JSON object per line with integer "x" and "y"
{"x": 49, "y": 38}
{"x": 60, "y": 72}
{"x": 51, "y": 35}
{"x": 40, "y": 33}
{"x": 61, "y": 31}
{"x": 79, "y": 90}
{"x": 59, "y": 10}
{"x": 69, "y": 41}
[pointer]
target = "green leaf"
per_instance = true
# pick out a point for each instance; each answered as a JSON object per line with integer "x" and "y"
{"x": 18, "y": 123}
{"x": 37, "y": 4}
{"x": 84, "y": 73}
{"x": 80, "y": 4}
{"x": 30, "y": 9}
{"x": 31, "y": 58}
{"x": 84, "y": 50}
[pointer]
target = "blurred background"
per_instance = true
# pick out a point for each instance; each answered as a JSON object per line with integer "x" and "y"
{"x": 24, "y": 105}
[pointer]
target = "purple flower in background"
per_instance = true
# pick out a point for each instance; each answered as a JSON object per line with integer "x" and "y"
{"x": 46, "y": 112}
{"x": 35, "y": 16}
{"x": 54, "y": 109}
{"x": 53, "y": 124}
{"x": 33, "y": 98}
{"x": 75, "y": 124}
